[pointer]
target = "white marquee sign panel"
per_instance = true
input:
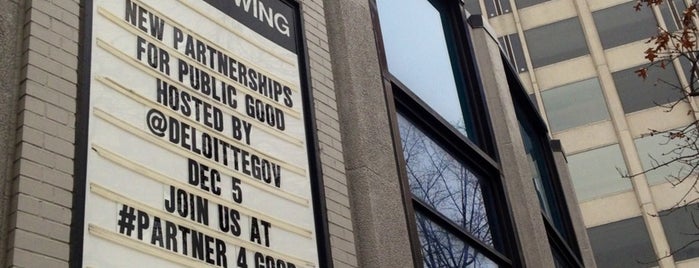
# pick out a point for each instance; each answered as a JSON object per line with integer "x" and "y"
{"x": 196, "y": 147}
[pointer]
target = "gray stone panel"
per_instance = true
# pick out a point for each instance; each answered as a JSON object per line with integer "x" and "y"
{"x": 10, "y": 21}
{"x": 375, "y": 193}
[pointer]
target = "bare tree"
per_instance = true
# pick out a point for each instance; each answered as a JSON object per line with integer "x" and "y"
{"x": 681, "y": 143}
{"x": 681, "y": 150}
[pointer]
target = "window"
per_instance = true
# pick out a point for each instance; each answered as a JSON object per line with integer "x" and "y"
{"x": 574, "y": 105}
{"x": 497, "y": 7}
{"x": 451, "y": 181}
{"x": 527, "y": 3}
{"x": 596, "y": 173}
{"x": 680, "y": 229}
{"x": 659, "y": 149}
{"x": 672, "y": 11}
{"x": 453, "y": 194}
{"x": 637, "y": 93}
{"x": 622, "y": 24}
{"x": 556, "y": 42}
{"x": 419, "y": 55}
{"x": 441, "y": 248}
{"x": 541, "y": 177}
{"x": 627, "y": 238}
{"x": 687, "y": 70}
{"x": 544, "y": 177}
{"x": 449, "y": 178}
{"x": 514, "y": 52}
{"x": 443, "y": 183}
{"x": 473, "y": 7}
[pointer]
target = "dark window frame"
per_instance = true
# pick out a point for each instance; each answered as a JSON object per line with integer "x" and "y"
{"x": 479, "y": 155}
{"x": 408, "y": 106}
{"x": 564, "y": 243}
{"x": 512, "y": 45}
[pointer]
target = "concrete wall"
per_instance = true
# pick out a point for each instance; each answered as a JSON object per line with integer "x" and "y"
{"x": 10, "y": 41}
{"x": 324, "y": 90}
{"x": 526, "y": 211}
{"x": 516, "y": 174}
{"x": 375, "y": 192}
{"x": 571, "y": 202}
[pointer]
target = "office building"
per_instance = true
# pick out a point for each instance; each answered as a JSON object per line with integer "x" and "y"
{"x": 577, "y": 59}
{"x": 274, "y": 133}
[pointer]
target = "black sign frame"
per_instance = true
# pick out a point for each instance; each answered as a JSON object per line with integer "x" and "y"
{"x": 300, "y": 47}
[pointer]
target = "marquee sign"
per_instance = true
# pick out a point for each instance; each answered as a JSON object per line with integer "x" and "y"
{"x": 196, "y": 151}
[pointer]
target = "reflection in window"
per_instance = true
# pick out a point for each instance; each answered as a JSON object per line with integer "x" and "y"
{"x": 622, "y": 244}
{"x": 541, "y": 177}
{"x": 442, "y": 182}
{"x": 419, "y": 55}
{"x": 637, "y": 94}
{"x": 512, "y": 46}
{"x": 622, "y": 24}
{"x": 556, "y": 42}
{"x": 441, "y": 249}
{"x": 595, "y": 173}
{"x": 681, "y": 231}
{"x": 657, "y": 150}
{"x": 574, "y": 105}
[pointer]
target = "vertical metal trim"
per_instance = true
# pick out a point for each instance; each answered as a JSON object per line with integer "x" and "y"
{"x": 81, "y": 131}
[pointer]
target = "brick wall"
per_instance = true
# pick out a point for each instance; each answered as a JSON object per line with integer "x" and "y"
{"x": 40, "y": 212}
{"x": 330, "y": 142}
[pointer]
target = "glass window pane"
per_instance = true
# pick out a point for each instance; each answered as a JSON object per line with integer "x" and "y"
{"x": 541, "y": 178}
{"x": 443, "y": 183}
{"x": 637, "y": 94}
{"x": 659, "y": 149}
{"x": 491, "y": 8}
{"x": 556, "y": 42}
{"x": 681, "y": 231}
{"x": 687, "y": 67}
{"x": 513, "y": 50}
{"x": 595, "y": 173}
{"x": 518, "y": 53}
{"x": 505, "y": 7}
{"x": 558, "y": 259}
{"x": 622, "y": 24}
{"x": 574, "y": 105}
{"x": 441, "y": 249}
{"x": 672, "y": 13}
{"x": 418, "y": 55}
{"x": 622, "y": 244}
{"x": 497, "y": 7}
{"x": 528, "y": 3}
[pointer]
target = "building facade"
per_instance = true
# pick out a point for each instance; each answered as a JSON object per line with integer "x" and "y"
{"x": 274, "y": 133}
{"x": 577, "y": 59}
